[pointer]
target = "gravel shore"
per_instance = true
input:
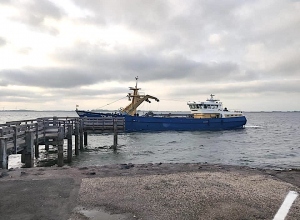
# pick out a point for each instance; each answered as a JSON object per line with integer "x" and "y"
{"x": 147, "y": 191}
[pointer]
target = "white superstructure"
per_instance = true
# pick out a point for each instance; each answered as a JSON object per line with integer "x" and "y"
{"x": 211, "y": 108}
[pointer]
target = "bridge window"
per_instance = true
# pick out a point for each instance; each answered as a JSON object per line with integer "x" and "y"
{"x": 193, "y": 106}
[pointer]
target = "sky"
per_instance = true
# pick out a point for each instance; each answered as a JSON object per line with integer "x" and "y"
{"x": 58, "y": 54}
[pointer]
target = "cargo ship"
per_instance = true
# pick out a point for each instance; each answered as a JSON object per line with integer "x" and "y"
{"x": 204, "y": 116}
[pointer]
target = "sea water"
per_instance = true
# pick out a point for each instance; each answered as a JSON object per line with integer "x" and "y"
{"x": 269, "y": 140}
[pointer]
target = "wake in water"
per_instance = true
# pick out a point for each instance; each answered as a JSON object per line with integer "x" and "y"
{"x": 253, "y": 126}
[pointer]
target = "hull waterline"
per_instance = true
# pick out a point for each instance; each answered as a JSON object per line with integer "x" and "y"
{"x": 144, "y": 123}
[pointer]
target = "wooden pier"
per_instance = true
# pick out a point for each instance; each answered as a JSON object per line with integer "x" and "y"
{"x": 24, "y": 137}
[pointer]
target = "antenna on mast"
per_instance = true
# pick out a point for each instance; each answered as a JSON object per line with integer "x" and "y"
{"x": 136, "y": 79}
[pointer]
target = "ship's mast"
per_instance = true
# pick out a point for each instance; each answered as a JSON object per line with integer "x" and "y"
{"x": 136, "y": 100}
{"x": 136, "y": 80}
{"x": 212, "y": 98}
{"x": 135, "y": 94}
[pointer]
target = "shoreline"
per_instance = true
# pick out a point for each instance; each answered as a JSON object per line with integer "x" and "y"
{"x": 144, "y": 191}
{"x": 285, "y": 174}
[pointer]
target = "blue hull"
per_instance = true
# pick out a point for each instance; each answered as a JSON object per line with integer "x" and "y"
{"x": 136, "y": 123}
{"x": 144, "y": 123}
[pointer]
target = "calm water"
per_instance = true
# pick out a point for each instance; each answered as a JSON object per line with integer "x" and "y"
{"x": 270, "y": 140}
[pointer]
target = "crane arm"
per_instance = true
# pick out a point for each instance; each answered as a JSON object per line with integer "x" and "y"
{"x": 131, "y": 108}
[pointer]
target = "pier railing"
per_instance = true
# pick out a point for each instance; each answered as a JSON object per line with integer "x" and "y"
{"x": 25, "y": 136}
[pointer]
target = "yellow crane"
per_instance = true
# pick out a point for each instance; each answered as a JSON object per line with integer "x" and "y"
{"x": 136, "y": 100}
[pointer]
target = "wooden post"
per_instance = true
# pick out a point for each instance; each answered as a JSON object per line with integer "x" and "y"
{"x": 3, "y": 153}
{"x": 46, "y": 146}
{"x": 60, "y": 147}
{"x": 81, "y": 134}
{"x": 69, "y": 137}
{"x": 15, "y": 138}
{"x": 23, "y": 156}
{"x": 115, "y": 134}
{"x": 76, "y": 138}
{"x": 46, "y": 125}
{"x": 55, "y": 121}
{"x": 36, "y": 140}
{"x": 29, "y": 149}
{"x": 85, "y": 138}
{"x": 64, "y": 126}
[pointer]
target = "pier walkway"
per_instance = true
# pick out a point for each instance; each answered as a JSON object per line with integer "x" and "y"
{"x": 25, "y": 136}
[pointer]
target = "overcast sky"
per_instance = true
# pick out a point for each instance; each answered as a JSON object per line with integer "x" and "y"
{"x": 55, "y": 54}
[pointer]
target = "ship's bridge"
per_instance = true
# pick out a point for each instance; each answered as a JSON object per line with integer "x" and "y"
{"x": 209, "y": 104}
{"x": 211, "y": 108}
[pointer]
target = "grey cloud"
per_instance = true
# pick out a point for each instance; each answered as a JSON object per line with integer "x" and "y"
{"x": 3, "y": 83}
{"x": 150, "y": 66}
{"x": 48, "y": 77}
{"x": 34, "y": 13}
{"x": 81, "y": 93}
{"x": 289, "y": 67}
{"x": 180, "y": 50}
{"x": 288, "y": 86}
{"x": 238, "y": 23}
{"x": 157, "y": 15}
{"x": 43, "y": 8}
{"x": 159, "y": 20}
{"x": 5, "y": 1}
{"x": 186, "y": 32}
{"x": 262, "y": 87}
{"x": 135, "y": 13}
{"x": 28, "y": 99}
{"x": 101, "y": 67}
{"x": 20, "y": 95}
